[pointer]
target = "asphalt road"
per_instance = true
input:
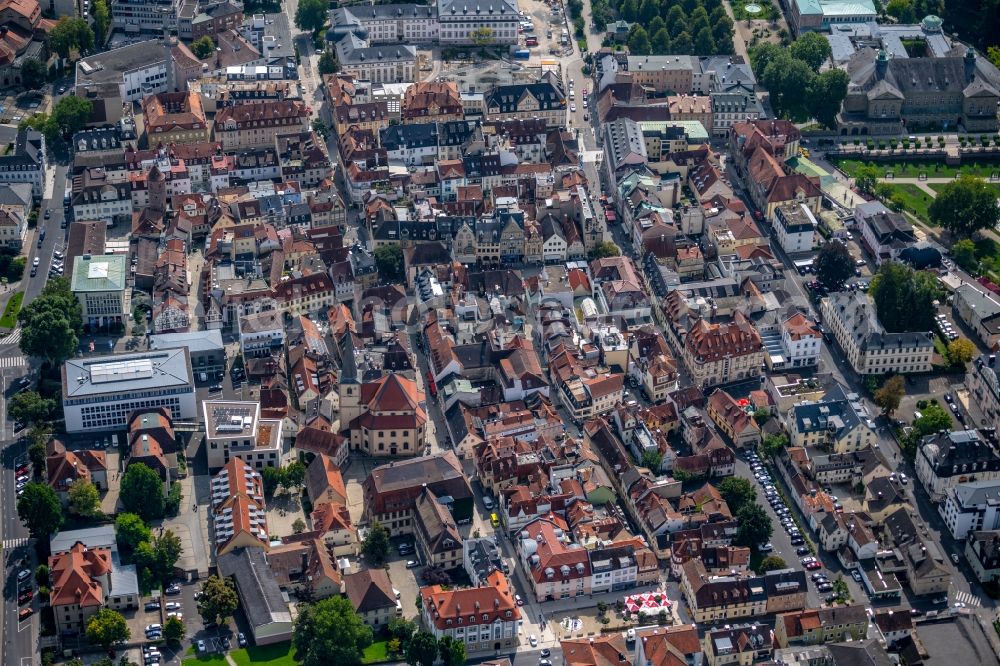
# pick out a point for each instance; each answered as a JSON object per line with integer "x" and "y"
{"x": 19, "y": 638}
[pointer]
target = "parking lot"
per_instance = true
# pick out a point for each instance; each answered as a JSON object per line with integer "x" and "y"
{"x": 790, "y": 540}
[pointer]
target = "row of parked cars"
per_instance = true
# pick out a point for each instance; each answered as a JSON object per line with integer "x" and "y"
{"x": 780, "y": 508}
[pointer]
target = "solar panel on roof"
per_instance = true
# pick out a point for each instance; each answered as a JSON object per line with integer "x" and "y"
{"x": 103, "y": 373}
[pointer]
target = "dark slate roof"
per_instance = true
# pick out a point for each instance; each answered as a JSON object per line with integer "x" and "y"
{"x": 506, "y": 98}
{"x": 419, "y": 135}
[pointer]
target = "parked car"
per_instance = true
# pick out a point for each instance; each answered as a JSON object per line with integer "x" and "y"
{"x": 173, "y": 589}
{"x": 201, "y": 646}
{"x": 25, "y": 613}
{"x": 25, "y": 597}
{"x": 801, "y": 550}
{"x": 856, "y": 575}
{"x": 154, "y": 627}
{"x": 173, "y": 605}
{"x": 241, "y": 640}
{"x": 412, "y": 564}
{"x": 23, "y": 575}
{"x": 152, "y": 606}
{"x": 225, "y": 643}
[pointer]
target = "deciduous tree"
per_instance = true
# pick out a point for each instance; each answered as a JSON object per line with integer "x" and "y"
{"x": 84, "y": 499}
{"x": 331, "y": 632}
{"x": 130, "y": 531}
{"x": 422, "y": 650}
{"x": 203, "y": 47}
{"x": 311, "y": 15}
{"x": 964, "y": 206}
{"x": 40, "y": 510}
{"x": 754, "y": 526}
{"x": 933, "y": 418}
{"x": 738, "y": 492}
{"x": 33, "y": 73}
{"x": 771, "y": 563}
{"x": 890, "y": 394}
{"x": 834, "y": 265}
{"x": 142, "y": 491}
{"x": 376, "y": 544}
{"x": 961, "y": 350}
{"x": 218, "y": 599}
{"x": 811, "y": 48}
{"x": 107, "y": 627}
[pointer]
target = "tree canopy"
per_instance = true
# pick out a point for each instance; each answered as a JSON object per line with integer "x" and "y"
{"x": 142, "y": 491}
{"x": 889, "y": 395}
{"x": 51, "y": 324}
{"x": 107, "y": 627}
{"x": 754, "y": 526}
{"x": 771, "y": 563}
{"x": 330, "y": 632}
{"x": 389, "y": 259}
{"x": 797, "y": 91}
{"x": 605, "y": 249}
{"x": 904, "y": 298}
{"x": 40, "y": 510}
{"x": 69, "y": 34}
{"x": 961, "y": 350}
{"x": 30, "y": 407}
{"x": 218, "y": 599}
{"x": 834, "y": 265}
{"x": 964, "y": 254}
{"x": 422, "y": 649}
{"x": 933, "y": 418}
{"x": 84, "y": 499}
{"x": 376, "y": 544}
{"x": 738, "y": 492}
{"x": 130, "y": 531}
{"x": 811, "y": 48}
{"x": 311, "y": 15}
{"x": 33, "y": 73}
{"x": 328, "y": 63}
{"x": 964, "y": 206}
{"x": 203, "y": 47}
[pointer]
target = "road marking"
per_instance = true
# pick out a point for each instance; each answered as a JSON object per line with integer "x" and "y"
{"x": 11, "y": 544}
{"x": 12, "y": 338}
{"x": 13, "y": 361}
{"x": 968, "y": 599}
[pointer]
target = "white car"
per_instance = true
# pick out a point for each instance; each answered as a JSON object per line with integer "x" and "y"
{"x": 173, "y": 605}
{"x": 572, "y": 108}
{"x": 533, "y": 639}
{"x": 518, "y": 600}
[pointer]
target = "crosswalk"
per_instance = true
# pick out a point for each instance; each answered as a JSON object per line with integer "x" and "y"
{"x": 11, "y": 544}
{"x": 968, "y": 599}
{"x": 11, "y": 338}
{"x": 13, "y": 361}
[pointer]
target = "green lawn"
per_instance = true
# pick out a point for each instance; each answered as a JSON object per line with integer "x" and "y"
{"x": 9, "y": 317}
{"x": 937, "y": 187}
{"x": 376, "y": 653}
{"x": 912, "y": 198}
{"x": 205, "y": 660}
{"x": 913, "y": 169}
{"x": 279, "y": 654}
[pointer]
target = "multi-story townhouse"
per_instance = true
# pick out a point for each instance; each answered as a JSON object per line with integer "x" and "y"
{"x": 391, "y": 490}
{"x": 484, "y": 618}
{"x": 554, "y": 568}
{"x": 984, "y": 387}
{"x": 795, "y": 226}
{"x": 947, "y": 459}
{"x": 885, "y": 233}
{"x": 175, "y": 117}
{"x": 720, "y": 353}
{"x": 971, "y": 507}
{"x": 256, "y": 125}
{"x": 838, "y": 423}
{"x": 869, "y": 348}
{"x": 383, "y": 63}
{"x": 26, "y": 162}
{"x": 801, "y": 341}
{"x": 816, "y": 626}
{"x": 544, "y": 99}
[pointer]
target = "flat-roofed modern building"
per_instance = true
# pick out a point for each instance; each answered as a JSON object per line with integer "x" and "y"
{"x": 99, "y": 283}
{"x": 234, "y": 427}
{"x": 100, "y": 392}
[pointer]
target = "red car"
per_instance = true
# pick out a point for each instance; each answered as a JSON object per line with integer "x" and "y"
{"x": 25, "y": 597}
{"x": 25, "y": 614}
{"x": 23, "y": 469}
{"x": 812, "y": 566}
